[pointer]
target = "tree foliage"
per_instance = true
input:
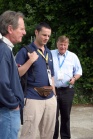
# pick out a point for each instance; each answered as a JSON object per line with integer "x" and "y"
{"x": 70, "y": 17}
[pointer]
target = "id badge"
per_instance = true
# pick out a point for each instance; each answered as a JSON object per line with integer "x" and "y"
{"x": 60, "y": 75}
{"x": 49, "y": 76}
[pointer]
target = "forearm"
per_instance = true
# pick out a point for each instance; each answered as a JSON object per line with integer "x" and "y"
{"x": 23, "y": 68}
{"x": 32, "y": 58}
{"x": 74, "y": 78}
{"x": 77, "y": 76}
{"x": 53, "y": 86}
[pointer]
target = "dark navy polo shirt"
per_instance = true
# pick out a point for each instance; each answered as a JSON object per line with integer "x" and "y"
{"x": 37, "y": 73}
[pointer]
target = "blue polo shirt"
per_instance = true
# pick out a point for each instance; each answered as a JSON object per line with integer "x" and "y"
{"x": 37, "y": 73}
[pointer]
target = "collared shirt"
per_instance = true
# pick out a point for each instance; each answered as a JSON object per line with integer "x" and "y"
{"x": 9, "y": 44}
{"x": 0, "y": 36}
{"x": 69, "y": 65}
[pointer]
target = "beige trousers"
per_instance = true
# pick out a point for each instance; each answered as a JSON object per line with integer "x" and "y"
{"x": 39, "y": 115}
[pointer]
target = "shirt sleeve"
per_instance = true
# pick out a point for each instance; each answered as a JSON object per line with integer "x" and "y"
{"x": 21, "y": 57}
{"x": 77, "y": 66}
{"x": 7, "y": 97}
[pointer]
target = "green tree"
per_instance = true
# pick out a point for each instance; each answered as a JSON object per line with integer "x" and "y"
{"x": 70, "y": 17}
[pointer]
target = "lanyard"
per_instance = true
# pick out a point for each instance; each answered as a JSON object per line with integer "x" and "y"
{"x": 48, "y": 70}
{"x": 46, "y": 58}
{"x": 60, "y": 65}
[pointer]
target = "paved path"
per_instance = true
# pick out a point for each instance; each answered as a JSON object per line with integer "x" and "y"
{"x": 81, "y": 122}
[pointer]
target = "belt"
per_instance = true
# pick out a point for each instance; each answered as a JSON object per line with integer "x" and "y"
{"x": 62, "y": 88}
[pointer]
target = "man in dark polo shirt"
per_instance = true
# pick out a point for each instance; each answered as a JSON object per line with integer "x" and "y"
{"x": 40, "y": 109}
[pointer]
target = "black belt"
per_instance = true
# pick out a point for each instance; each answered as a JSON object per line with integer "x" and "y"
{"x": 62, "y": 88}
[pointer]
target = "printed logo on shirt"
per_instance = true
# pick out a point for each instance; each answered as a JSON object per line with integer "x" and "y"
{"x": 50, "y": 60}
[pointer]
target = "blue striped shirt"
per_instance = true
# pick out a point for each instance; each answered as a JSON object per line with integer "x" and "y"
{"x": 69, "y": 64}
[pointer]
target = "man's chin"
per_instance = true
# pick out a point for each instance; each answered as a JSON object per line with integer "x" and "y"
{"x": 45, "y": 43}
{"x": 62, "y": 52}
{"x": 20, "y": 40}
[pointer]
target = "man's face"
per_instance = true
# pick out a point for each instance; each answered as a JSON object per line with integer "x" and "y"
{"x": 42, "y": 37}
{"x": 15, "y": 35}
{"x": 62, "y": 46}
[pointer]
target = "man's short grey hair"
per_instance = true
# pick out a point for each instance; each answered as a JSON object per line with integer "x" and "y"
{"x": 63, "y": 38}
{"x": 9, "y": 18}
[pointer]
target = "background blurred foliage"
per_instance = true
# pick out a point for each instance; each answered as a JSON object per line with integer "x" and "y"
{"x": 66, "y": 17}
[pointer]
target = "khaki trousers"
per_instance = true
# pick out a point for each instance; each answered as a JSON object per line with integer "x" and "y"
{"x": 39, "y": 115}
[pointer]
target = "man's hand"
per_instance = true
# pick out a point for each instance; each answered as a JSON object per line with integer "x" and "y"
{"x": 33, "y": 56}
{"x": 17, "y": 108}
{"x": 72, "y": 81}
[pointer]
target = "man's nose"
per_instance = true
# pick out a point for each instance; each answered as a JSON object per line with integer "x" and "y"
{"x": 24, "y": 32}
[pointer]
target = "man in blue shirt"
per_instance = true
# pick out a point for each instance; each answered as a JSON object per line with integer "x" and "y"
{"x": 67, "y": 69}
{"x": 39, "y": 111}
{"x": 12, "y": 29}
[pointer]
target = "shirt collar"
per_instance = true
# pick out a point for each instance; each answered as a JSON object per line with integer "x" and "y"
{"x": 7, "y": 41}
{"x": 1, "y": 36}
{"x": 39, "y": 48}
{"x": 63, "y": 54}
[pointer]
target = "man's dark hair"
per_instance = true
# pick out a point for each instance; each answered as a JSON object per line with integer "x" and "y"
{"x": 41, "y": 25}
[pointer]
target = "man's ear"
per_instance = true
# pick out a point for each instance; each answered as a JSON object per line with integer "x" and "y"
{"x": 36, "y": 32}
{"x": 10, "y": 29}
